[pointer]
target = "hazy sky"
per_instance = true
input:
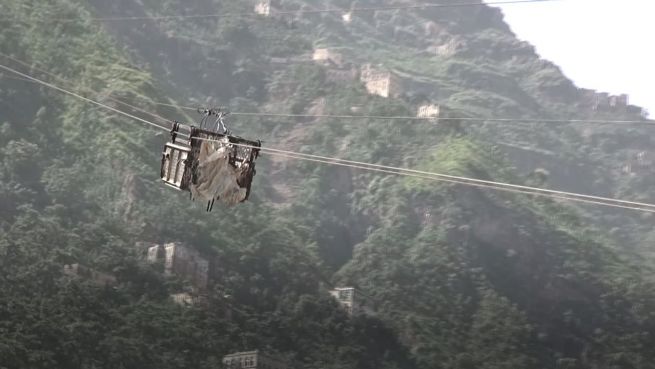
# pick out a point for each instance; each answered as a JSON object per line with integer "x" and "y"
{"x": 607, "y": 45}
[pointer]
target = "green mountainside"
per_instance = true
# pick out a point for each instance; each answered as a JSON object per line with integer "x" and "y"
{"x": 449, "y": 276}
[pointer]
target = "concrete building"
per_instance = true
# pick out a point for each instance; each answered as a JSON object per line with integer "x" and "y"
{"x": 183, "y": 299}
{"x": 620, "y": 101}
{"x": 189, "y": 299}
{"x": 639, "y": 163}
{"x": 603, "y": 101}
{"x": 449, "y": 48}
{"x": 263, "y": 7}
{"x": 327, "y": 56}
{"x": 253, "y": 360}
{"x": 428, "y": 111}
{"x": 347, "y": 17}
{"x": 637, "y": 110}
{"x": 346, "y": 298}
{"x": 91, "y": 275}
{"x": 181, "y": 261}
{"x": 380, "y": 81}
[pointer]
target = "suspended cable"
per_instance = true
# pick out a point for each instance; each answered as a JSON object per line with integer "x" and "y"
{"x": 507, "y": 187}
{"x": 340, "y": 117}
{"x": 46, "y": 84}
{"x": 303, "y": 12}
{"x": 498, "y": 188}
{"x": 534, "y": 191}
{"x": 409, "y": 118}
{"x": 465, "y": 119}
{"x": 59, "y": 78}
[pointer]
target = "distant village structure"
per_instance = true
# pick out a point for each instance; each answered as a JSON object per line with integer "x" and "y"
{"x": 380, "y": 81}
{"x": 642, "y": 162}
{"x": 89, "y": 274}
{"x": 252, "y": 360}
{"x": 428, "y": 111}
{"x": 604, "y": 101}
{"x": 449, "y": 48}
{"x": 338, "y": 70}
{"x": 346, "y": 298}
{"x": 263, "y": 7}
{"x": 327, "y": 56}
{"x": 181, "y": 261}
{"x": 184, "y": 299}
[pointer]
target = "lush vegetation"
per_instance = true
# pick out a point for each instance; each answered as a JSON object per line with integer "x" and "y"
{"x": 450, "y": 277}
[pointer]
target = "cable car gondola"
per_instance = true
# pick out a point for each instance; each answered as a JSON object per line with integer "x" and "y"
{"x": 209, "y": 162}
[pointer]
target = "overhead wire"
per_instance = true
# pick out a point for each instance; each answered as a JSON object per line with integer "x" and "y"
{"x": 410, "y": 118}
{"x": 338, "y": 116}
{"x": 90, "y": 101}
{"x": 507, "y": 187}
{"x": 67, "y": 82}
{"x": 304, "y": 11}
{"x": 469, "y": 119}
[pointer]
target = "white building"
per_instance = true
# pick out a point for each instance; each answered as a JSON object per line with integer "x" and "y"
{"x": 181, "y": 261}
{"x": 252, "y": 360}
{"x": 327, "y": 56}
{"x": 428, "y": 111}
{"x": 184, "y": 299}
{"x": 346, "y": 298}
{"x": 263, "y": 7}
{"x": 379, "y": 81}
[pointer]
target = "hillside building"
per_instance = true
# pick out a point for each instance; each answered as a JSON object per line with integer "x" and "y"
{"x": 189, "y": 299}
{"x": 637, "y": 111}
{"x": 449, "y": 48}
{"x": 183, "y": 299}
{"x": 327, "y": 56}
{"x": 346, "y": 298}
{"x": 603, "y": 101}
{"x": 379, "y": 81}
{"x": 181, "y": 261}
{"x": 428, "y": 111}
{"x": 642, "y": 162}
{"x": 263, "y": 7}
{"x": 252, "y": 360}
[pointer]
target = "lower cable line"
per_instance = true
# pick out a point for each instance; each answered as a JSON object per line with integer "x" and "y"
{"x": 90, "y": 101}
{"x": 499, "y": 186}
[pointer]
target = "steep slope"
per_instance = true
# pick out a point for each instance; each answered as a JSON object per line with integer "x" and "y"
{"x": 78, "y": 186}
{"x": 464, "y": 58}
{"x": 453, "y": 277}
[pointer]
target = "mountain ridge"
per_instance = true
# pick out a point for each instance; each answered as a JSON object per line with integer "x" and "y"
{"x": 456, "y": 277}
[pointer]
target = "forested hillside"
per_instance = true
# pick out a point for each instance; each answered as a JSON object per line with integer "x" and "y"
{"x": 450, "y": 276}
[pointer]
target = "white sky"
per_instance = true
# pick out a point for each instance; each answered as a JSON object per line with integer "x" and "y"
{"x": 607, "y": 45}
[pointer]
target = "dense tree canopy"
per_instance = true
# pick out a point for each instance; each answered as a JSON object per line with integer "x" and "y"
{"x": 449, "y": 276}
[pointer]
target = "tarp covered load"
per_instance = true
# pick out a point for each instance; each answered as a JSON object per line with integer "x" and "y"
{"x": 215, "y": 177}
{"x": 211, "y": 166}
